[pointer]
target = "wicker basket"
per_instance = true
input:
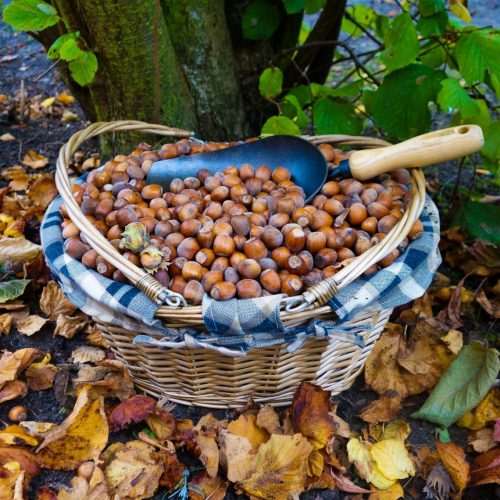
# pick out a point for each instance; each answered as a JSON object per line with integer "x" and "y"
{"x": 203, "y": 377}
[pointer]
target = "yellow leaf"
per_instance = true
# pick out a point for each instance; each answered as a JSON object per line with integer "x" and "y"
{"x": 246, "y": 426}
{"x": 453, "y": 339}
{"x": 383, "y": 409}
{"x": 11, "y": 481}
{"x": 236, "y": 456}
{"x": 47, "y": 102}
{"x": 15, "y": 229}
{"x": 18, "y": 250}
{"x": 206, "y": 444}
{"x": 315, "y": 463}
{"x": 37, "y": 429}
{"x": 393, "y": 493}
{"x": 397, "y": 429}
{"x": 281, "y": 468}
{"x": 453, "y": 458}
{"x": 392, "y": 459}
{"x": 359, "y": 454}
{"x": 461, "y": 12}
{"x": 81, "y": 437}
{"x": 486, "y": 411}
{"x": 16, "y": 435}
{"x": 132, "y": 470}
{"x": 65, "y": 98}
{"x": 12, "y": 364}
{"x": 35, "y": 160}
{"x": 93, "y": 489}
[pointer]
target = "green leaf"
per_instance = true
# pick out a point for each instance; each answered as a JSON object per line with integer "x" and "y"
{"x": 401, "y": 43}
{"x": 69, "y": 50}
{"x": 453, "y": 96}
{"x": 30, "y": 15}
{"x": 12, "y": 289}
{"x": 431, "y": 7}
{"x": 463, "y": 385}
{"x": 476, "y": 52}
{"x": 318, "y": 90}
{"x": 83, "y": 68}
{"x": 293, "y": 6}
{"x": 381, "y": 25}
{"x": 260, "y": 20}
{"x": 313, "y": 6}
{"x": 433, "y": 57}
{"x": 350, "y": 90}
{"x": 292, "y": 109}
{"x": 55, "y": 48}
{"x": 303, "y": 94}
{"x": 400, "y": 104}
{"x": 280, "y": 125}
{"x": 491, "y": 148}
{"x": 365, "y": 16}
{"x": 433, "y": 25}
{"x": 480, "y": 220}
{"x": 271, "y": 83}
{"x": 444, "y": 435}
{"x": 334, "y": 117}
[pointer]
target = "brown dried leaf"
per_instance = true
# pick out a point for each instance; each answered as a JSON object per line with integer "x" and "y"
{"x": 172, "y": 471}
{"x": 93, "y": 489}
{"x": 42, "y": 192}
{"x": 491, "y": 307}
{"x": 482, "y": 440}
{"x": 40, "y": 376}
{"x": 206, "y": 431}
{"x": 25, "y": 458}
{"x": 95, "y": 337}
{"x": 12, "y": 364}
{"x": 268, "y": 419}
{"x": 426, "y": 459}
{"x": 37, "y": 429}
{"x": 246, "y": 426}
{"x": 439, "y": 483}
{"x": 132, "y": 410}
{"x": 453, "y": 458}
{"x": 281, "y": 468}
{"x": 5, "y": 323}
{"x": 81, "y": 437}
{"x": 343, "y": 483}
{"x": 31, "y": 325}
{"x": 12, "y": 390}
{"x": 86, "y": 354}
{"x": 53, "y": 303}
{"x": 237, "y": 456}
{"x": 18, "y": 250}
{"x": 454, "y": 341}
{"x": 162, "y": 423}
{"x": 486, "y": 468}
{"x": 486, "y": 411}
{"x": 33, "y": 159}
{"x": 69, "y": 326}
{"x": 310, "y": 412}
{"x": 214, "y": 488}
{"x": 11, "y": 481}
{"x": 392, "y": 493}
{"x": 384, "y": 409}
{"x": 132, "y": 470}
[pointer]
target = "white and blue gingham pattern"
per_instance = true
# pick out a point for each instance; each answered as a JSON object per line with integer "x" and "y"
{"x": 236, "y": 326}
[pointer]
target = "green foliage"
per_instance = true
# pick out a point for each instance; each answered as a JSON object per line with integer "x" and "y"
{"x": 280, "y": 125}
{"x": 293, "y": 6}
{"x": 30, "y": 15}
{"x": 35, "y": 15}
{"x": 271, "y": 83}
{"x": 260, "y": 20}
{"x": 480, "y": 220}
{"x": 332, "y": 116}
{"x": 463, "y": 385}
{"x": 12, "y": 289}
{"x": 401, "y": 43}
{"x": 453, "y": 97}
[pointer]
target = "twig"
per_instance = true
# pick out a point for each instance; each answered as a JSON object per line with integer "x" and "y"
{"x": 156, "y": 56}
{"x": 23, "y": 101}
{"x": 362, "y": 28}
{"x": 50, "y": 68}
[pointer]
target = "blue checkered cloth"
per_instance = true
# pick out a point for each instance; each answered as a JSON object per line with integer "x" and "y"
{"x": 236, "y": 326}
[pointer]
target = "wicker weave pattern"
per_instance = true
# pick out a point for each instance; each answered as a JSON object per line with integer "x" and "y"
{"x": 206, "y": 378}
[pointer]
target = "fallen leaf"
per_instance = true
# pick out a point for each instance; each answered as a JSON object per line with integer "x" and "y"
{"x": 47, "y": 102}
{"x": 93, "y": 489}
{"x": 86, "y": 354}
{"x": 12, "y": 289}
{"x": 16, "y": 435}
{"x": 397, "y": 429}
{"x": 132, "y": 410}
{"x": 482, "y": 440}
{"x": 206, "y": 431}
{"x": 37, "y": 429}
{"x": 95, "y": 337}
{"x": 491, "y": 307}
{"x": 453, "y": 458}
{"x": 343, "y": 483}
{"x": 12, "y": 390}
{"x": 42, "y": 192}
{"x": 268, "y": 419}
{"x": 69, "y": 326}
{"x": 7, "y": 137}
{"x": 5, "y": 323}
{"x": 15, "y": 229}
{"x": 162, "y": 423}
{"x": 213, "y": 488}
{"x": 46, "y": 493}
{"x": 426, "y": 459}
{"x": 40, "y": 376}
{"x": 323, "y": 481}
{"x": 18, "y": 250}
{"x": 31, "y": 325}
{"x": 12, "y": 364}
{"x": 236, "y": 456}
{"x": 69, "y": 116}
{"x": 463, "y": 386}
{"x": 11, "y": 481}
{"x": 384, "y": 409}
{"x": 486, "y": 411}
{"x": 392, "y": 459}
{"x": 173, "y": 471}
{"x": 25, "y": 458}
{"x": 33, "y": 159}
{"x": 454, "y": 340}
{"x": 394, "y": 492}
{"x": 53, "y": 302}
{"x": 310, "y": 412}
{"x": 81, "y": 437}
{"x": 496, "y": 431}
{"x": 132, "y": 470}
{"x": 246, "y": 426}
{"x": 439, "y": 483}
{"x": 486, "y": 468}
{"x": 18, "y": 177}
{"x": 280, "y": 468}
{"x": 65, "y": 98}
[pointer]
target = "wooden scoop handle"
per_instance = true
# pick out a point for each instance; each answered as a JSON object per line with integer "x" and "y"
{"x": 427, "y": 149}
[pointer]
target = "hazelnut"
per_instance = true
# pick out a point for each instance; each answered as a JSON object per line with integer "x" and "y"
{"x": 193, "y": 292}
{"x": 291, "y": 285}
{"x": 223, "y": 291}
{"x": 248, "y": 289}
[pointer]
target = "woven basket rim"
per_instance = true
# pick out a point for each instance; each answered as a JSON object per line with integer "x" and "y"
{"x": 306, "y": 305}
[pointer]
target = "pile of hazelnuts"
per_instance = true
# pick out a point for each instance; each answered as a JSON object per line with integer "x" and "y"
{"x": 243, "y": 232}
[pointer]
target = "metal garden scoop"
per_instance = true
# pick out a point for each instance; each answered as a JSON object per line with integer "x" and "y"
{"x": 308, "y": 167}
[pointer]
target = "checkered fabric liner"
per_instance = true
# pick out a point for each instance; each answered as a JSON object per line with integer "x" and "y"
{"x": 236, "y": 326}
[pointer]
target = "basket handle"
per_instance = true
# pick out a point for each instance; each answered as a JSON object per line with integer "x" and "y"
{"x": 137, "y": 276}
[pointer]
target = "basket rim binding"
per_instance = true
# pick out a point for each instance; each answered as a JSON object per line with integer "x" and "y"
{"x": 310, "y": 302}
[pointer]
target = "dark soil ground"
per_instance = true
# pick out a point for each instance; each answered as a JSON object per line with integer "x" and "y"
{"x": 46, "y": 136}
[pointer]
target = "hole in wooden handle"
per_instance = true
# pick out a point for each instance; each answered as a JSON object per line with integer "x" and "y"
{"x": 463, "y": 130}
